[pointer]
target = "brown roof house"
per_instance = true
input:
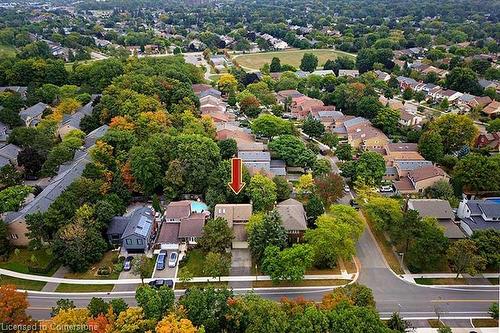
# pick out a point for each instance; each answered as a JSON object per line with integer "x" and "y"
{"x": 490, "y": 141}
{"x": 440, "y": 210}
{"x": 237, "y": 216}
{"x": 417, "y": 180}
{"x": 293, "y": 219}
{"x": 182, "y": 225}
{"x": 492, "y": 109}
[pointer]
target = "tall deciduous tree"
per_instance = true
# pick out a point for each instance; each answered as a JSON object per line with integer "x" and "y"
{"x": 430, "y": 145}
{"x": 155, "y": 303}
{"x": 455, "y": 130}
{"x": 216, "y": 264}
{"x": 217, "y": 236}
{"x": 266, "y": 233}
{"x": 288, "y": 264}
{"x": 283, "y": 188}
{"x": 269, "y": 126}
{"x": 335, "y": 236}
{"x": 370, "y": 168}
{"x": 329, "y": 187}
{"x": 262, "y": 192}
{"x": 464, "y": 258}
{"x": 313, "y": 127}
{"x": 309, "y": 62}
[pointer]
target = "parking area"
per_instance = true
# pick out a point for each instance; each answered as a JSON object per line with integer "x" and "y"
{"x": 167, "y": 272}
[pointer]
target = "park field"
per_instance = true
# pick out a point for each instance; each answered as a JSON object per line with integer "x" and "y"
{"x": 255, "y": 61}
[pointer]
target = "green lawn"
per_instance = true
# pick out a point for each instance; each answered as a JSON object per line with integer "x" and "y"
{"x": 291, "y": 57}
{"x": 81, "y": 288}
{"x": 186, "y": 285}
{"x": 21, "y": 283}
{"x": 193, "y": 262}
{"x": 7, "y": 51}
{"x": 20, "y": 261}
{"x": 304, "y": 283}
{"x": 106, "y": 261}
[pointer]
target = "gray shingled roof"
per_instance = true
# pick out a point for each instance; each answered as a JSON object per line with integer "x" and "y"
{"x": 412, "y": 164}
{"x": 33, "y": 111}
{"x": 8, "y": 154}
{"x": 437, "y": 208}
{"x": 293, "y": 215}
{"x": 95, "y": 135}
{"x": 140, "y": 223}
{"x": 255, "y": 156}
{"x": 75, "y": 119}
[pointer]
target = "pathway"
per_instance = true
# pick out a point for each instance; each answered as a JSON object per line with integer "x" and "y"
{"x": 60, "y": 273}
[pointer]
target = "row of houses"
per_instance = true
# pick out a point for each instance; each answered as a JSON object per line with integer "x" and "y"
{"x": 182, "y": 223}
{"x": 465, "y": 102}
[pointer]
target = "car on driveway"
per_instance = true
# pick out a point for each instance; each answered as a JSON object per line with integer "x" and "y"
{"x": 386, "y": 188}
{"x": 161, "y": 282}
{"x": 347, "y": 188}
{"x": 160, "y": 261}
{"x": 172, "y": 259}
{"x": 127, "y": 264}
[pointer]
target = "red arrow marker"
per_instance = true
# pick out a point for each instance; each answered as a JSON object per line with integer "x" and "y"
{"x": 236, "y": 184}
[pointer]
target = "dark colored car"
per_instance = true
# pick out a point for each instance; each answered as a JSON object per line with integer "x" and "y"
{"x": 160, "y": 261}
{"x": 160, "y": 283}
{"x": 354, "y": 204}
{"x": 127, "y": 264}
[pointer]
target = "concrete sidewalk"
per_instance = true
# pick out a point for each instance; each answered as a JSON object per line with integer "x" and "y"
{"x": 195, "y": 279}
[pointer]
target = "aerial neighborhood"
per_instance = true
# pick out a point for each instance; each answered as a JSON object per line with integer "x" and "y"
{"x": 269, "y": 166}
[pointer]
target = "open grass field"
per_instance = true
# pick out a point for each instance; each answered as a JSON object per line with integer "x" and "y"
{"x": 21, "y": 283}
{"x": 7, "y": 51}
{"x": 292, "y": 57}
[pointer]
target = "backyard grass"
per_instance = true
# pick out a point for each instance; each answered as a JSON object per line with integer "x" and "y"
{"x": 485, "y": 322}
{"x": 82, "y": 288}
{"x": 7, "y": 51}
{"x": 304, "y": 283}
{"x": 429, "y": 282}
{"x": 20, "y": 259}
{"x": 106, "y": 261}
{"x": 292, "y": 57}
{"x": 21, "y": 283}
{"x": 385, "y": 247}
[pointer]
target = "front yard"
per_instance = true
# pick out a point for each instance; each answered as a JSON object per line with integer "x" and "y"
{"x": 21, "y": 283}
{"x": 40, "y": 262}
{"x": 109, "y": 262}
{"x": 194, "y": 262}
{"x": 81, "y": 288}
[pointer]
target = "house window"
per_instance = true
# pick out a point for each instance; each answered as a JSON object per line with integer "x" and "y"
{"x": 140, "y": 241}
{"x": 14, "y": 236}
{"x": 128, "y": 241}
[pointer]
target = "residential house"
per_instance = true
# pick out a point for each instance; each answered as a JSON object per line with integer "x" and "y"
{"x": 198, "y": 88}
{"x": 406, "y": 82}
{"x": 256, "y": 161}
{"x": 33, "y": 115}
{"x": 183, "y": 223}
{"x": 383, "y": 76}
{"x": 326, "y": 115}
{"x": 67, "y": 174}
{"x": 3, "y": 131}
{"x": 393, "y": 152}
{"x": 490, "y": 141}
{"x": 286, "y": 96}
{"x": 485, "y": 84}
{"x": 354, "y": 73}
{"x": 492, "y": 110}
{"x": 293, "y": 219}
{"x": 450, "y": 95}
{"x": 466, "y": 102}
{"x": 301, "y": 106}
{"x": 417, "y": 180}
{"x": 323, "y": 72}
{"x": 22, "y": 90}
{"x": 440, "y": 210}
{"x": 196, "y": 45}
{"x": 237, "y": 216}
{"x": 8, "y": 154}
{"x": 478, "y": 215}
{"x": 367, "y": 138}
{"x": 72, "y": 122}
{"x": 409, "y": 119}
{"x": 403, "y": 167}
{"x": 136, "y": 232}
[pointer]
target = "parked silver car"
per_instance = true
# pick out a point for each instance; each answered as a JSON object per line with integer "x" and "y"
{"x": 172, "y": 259}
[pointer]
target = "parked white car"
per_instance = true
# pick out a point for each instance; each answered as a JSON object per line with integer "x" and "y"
{"x": 172, "y": 259}
{"x": 386, "y": 188}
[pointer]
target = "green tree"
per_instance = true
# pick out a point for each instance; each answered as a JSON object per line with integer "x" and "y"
{"x": 383, "y": 212}
{"x": 4, "y": 239}
{"x": 493, "y": 126}
{"x": 207, "y": 307}
{"x": 445, "y": 329}
{"x": 313, "y": 127}
{"x": 387, "y": 119}
{"x": 407, "y": 94}
{"x": 428, "y": 248}
{"x": 463, "y": 79}
{"x": 335, "y": 236}
{"x": 262, "y": 192}
{"x": 406, "y": 228}
{"x": 330, "y": 139}
{"x": 463, "y": 257}
{"x": 146, "y": 169}
{"x": 487, "y": 241}
{"x": 268, "y": 232}
{"x": 314, "y": 207}
{"x": 216, "y": 264}
{"x": 309, "y": 62}
{"x": 12, "y": 197}
{"x": 217, "y": 236}
{"x": 398, "y": 324}
{"x": 275, "y": 65}
{"x": 118, "y": 305}
{"x": 97, "y": 306}
{"x": 476, "y": 173}
{"x": 344, "y": 152}
{"x": 455, "y": 130}
{"x": 142, "y": 267}
{"x": 493, "y": 310}
{"x": 348, "y": 318}
{"x": 155, "y": 303}
{"x": 283, "y": 188}
{"x": 62, "y": 304}
{"x": 370, "y": 168}
{"x": 293, "y": 151}
{"x": 431, "y": 146}
{"x": 228, "y": 148}
{"x": 270, "y": 126}
{"x": 288, "y": 264}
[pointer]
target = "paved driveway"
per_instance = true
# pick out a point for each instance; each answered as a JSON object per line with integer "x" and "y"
{"x": 126, "y": 287}
{"x": 167, "y": 272}
{"x": 241, "y": 264}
